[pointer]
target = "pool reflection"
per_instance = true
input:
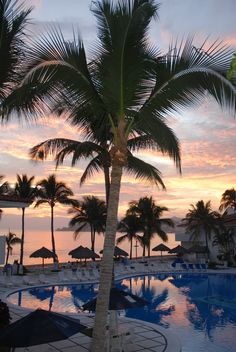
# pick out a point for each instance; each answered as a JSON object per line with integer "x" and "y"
{"x": 200, "y": 308}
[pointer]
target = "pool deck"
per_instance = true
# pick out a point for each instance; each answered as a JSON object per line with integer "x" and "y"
{"x": 145, "y": 336}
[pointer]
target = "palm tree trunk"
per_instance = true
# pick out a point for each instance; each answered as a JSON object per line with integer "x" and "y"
{"x": 22, "y": 237}
{"x": 149, "y": 249}
{"x": 8, "y": 251}
{"x": 107, "y": 261}
{"x": 52, "y": 235}
{"x": 131, "y": 247}
{"x": 107, "y": 182}
{"x": 144, "y": 250}
{"x": 206, "y": 239}
{"x": 92, "y": 238}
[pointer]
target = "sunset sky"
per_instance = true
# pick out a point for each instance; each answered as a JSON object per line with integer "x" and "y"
{"x": 207, "y": 134}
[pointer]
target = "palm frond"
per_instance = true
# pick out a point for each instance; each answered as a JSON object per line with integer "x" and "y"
{"x": 143, "y": 171}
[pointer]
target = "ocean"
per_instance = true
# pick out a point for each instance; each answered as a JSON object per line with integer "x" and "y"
{"x": 65, "y": 242}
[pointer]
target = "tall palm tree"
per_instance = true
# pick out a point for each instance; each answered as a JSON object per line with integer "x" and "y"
{"x": 150, "y": 218}
{"x": 228, "y": 199}
{"x": 130, "y": 225}
{"x": 11, "y": 240}
{"x": 4, "y": 188}
{"x": 129, "y": 87}
{"x": 24, "y": 190}
{"x": 13, "y": 20}
{"x": 91, "y": 211}
{"x": 50, "y": 191}
{"x": 201, "y": 220}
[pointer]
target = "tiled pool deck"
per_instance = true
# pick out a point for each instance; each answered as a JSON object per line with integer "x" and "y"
{"x": 145, "y": 336}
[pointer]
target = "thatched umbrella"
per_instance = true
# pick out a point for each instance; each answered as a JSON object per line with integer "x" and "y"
{"x": 161, "y": 248}
{"x": 178, "y": 250}
{"x": 83, "y": 253}
{"x": 43, "y": 253}
{"x": 39, "y": 327}
{"x": 118, "y": 252}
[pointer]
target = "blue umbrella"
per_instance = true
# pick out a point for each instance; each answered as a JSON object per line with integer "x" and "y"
{"x": 39, "y": 327}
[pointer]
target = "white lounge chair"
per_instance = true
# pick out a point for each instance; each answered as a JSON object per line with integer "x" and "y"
{"x": 28, "y": 281}
{"x": 43, "y": 279}
{"x": 61, "y": 276}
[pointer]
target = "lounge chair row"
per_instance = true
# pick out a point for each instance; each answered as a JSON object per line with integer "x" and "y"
{"x": 66, "y": 276}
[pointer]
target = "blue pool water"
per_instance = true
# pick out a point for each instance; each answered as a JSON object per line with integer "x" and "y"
{"x": 199, "y": 308}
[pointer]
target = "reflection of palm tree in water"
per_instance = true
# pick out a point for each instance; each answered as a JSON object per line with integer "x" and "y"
{"x": 42, "y": 294}
{"x": 81, "y": 294}
{"x": 155, "y": 311}
{"x": 203, "y": 311}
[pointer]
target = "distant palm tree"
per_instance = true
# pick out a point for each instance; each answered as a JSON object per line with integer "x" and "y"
{"x": 11, "y": 240}
{"x": 13, "y": 20}
{"x": 130, "y": 225}
{"x": 4, "y": 188}
{"x": 150, "y": 218}
{"x": 91, "y": 211}
{"x": 24, "y": 190}
{"x": 225, "y": 242}
{"x": 228, "y": 199}
{"x": 50, "y": 191}
{"x": 201, "y": 220}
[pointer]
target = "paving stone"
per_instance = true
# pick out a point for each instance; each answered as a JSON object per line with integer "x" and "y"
{"x": 147, "y": 343}
{"x": 63, "y": 344}
{"x": 150, "y": 334}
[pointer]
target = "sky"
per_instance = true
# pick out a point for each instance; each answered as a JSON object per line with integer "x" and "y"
{"x": 206, "y": 133}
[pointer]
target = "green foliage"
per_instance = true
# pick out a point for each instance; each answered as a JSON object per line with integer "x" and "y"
{"x": 13, "y": 20}
{"x": 91, "y": 211}
{"x": 228, "y": 199}
{"x": 232, "y": 71}
{"x": 151, "y": 222}
{"x": 201, "y": 220}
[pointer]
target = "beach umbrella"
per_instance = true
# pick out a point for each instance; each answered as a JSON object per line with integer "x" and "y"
{"x": 178, "y": 250}
{"x": 83, "y": 253}
{"x": 118, "y": 252}
{"x": 39, "y": 327}
{"x": 161, "y": 248}
{"x": 43, "y": 253}
{"x": 119, "y": 300}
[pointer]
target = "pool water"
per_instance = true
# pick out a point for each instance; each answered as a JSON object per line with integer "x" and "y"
{"x": 199, "y": 308}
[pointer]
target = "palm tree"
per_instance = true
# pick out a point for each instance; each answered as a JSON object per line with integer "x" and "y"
{"x": 129, "y": 87}
{"x": 13, "y": 20}
{"x": 149, "y": 215}
{"x": 201, "y": 220}
{"x": 24, "y": 190}
{"x": 50, "y": 191}
{"x": 91, "y": 211}
{"x": 11, "y": 240}
{"x": 99, "y": 154}
{"x": 130, "y": 225}
{"x": 228, "y": 199}
{"x": 4, "y": 188}
{"x": 225, "y": 241}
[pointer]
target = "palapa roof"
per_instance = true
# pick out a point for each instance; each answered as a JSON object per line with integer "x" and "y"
{"x": 42, "y": 253}
{"x": 161, "y": 248}
{"x": 83, "y": 253}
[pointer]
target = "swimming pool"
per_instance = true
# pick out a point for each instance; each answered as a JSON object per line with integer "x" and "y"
{"x": 200, "y": 308}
